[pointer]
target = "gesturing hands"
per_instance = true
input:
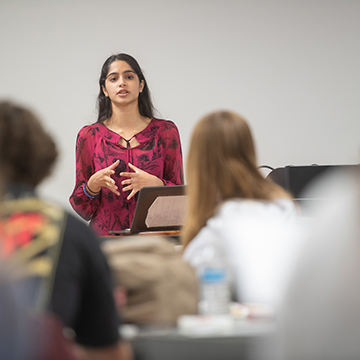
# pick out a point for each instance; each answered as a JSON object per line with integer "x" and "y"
{"x": 137, "y": 180}
{"x": 103, "y": 178}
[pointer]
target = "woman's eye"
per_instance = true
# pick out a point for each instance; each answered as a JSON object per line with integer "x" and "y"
{"x": 113, "y": 79}
{"x": 130, "y": 77}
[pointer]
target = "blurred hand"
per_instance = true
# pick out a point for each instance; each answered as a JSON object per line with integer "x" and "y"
{"x": 102, "y": 178}
{"x": 137, "y": 180}
{"x": 120, "y": 297}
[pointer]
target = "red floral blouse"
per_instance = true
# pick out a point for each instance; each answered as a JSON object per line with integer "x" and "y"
{"x": 158, "y": 153}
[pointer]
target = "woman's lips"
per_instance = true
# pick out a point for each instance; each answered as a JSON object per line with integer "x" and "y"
{"x": 123, "y": 93}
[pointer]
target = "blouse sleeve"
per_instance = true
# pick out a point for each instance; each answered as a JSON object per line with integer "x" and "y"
{"x": 173, "y": 162}
{"x": 84, "y": 205}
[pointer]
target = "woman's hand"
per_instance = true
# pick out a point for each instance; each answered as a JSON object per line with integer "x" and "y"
{"x": 137, "y": 180}
{"x": 103, "y": 178}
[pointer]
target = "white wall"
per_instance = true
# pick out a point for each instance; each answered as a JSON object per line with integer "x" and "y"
{"x": 292, "y": 68}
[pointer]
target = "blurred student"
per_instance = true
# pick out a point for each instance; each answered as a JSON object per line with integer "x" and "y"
{"x": 233, "y": 209}
{"x": 28, "y": 335}
{"x": 54, "y": 259}
{"x": 321, "y": 308}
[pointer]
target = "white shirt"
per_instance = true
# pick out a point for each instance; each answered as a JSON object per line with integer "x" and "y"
{"x": 258, "y": 238}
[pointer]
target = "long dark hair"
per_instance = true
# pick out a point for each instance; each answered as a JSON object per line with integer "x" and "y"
{"x": 146, "y": 107}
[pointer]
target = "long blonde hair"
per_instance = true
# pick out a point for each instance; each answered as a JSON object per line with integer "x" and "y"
{"x": 221, "y": 164}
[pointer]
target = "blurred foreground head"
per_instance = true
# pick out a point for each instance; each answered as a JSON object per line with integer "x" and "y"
{"x": 221, "y": 165}
{"x": 222, "y": 150}
{"x": 321, "y": 313}
{"x": 27, "y": 152}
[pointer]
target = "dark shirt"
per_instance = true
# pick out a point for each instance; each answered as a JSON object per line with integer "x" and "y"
{"x": 77, "y": 286}
{"x": 82, "y": 295}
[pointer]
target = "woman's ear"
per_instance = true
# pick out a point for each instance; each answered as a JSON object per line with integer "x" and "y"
{"x": 104, "y": 90}
{"x": 142, "y": 85}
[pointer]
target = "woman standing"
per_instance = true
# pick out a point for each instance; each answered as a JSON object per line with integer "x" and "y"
{"x": 125, "y": 150}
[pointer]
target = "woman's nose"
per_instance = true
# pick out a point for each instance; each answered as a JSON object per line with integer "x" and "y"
{"x": 122, "y": 81}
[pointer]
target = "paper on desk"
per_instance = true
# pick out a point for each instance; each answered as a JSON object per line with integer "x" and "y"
{"x": 167, "y": 211}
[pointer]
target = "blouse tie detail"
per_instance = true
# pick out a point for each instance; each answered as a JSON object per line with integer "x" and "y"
{"x": 128, "y": 152}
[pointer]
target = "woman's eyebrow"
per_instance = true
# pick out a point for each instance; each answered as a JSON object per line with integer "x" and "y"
{"x": 116, "y": 73}
{"x": 129, "y": 71}
{"x": 113, "y": 73}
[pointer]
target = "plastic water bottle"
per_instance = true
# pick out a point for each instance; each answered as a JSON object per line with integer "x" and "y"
{"x": 213, "y": 282}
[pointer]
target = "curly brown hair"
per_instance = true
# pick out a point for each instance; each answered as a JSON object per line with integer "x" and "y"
{"x": 27, "y": 152}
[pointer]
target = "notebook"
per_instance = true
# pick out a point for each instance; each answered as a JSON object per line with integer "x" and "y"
{"x": 158, "y": 208}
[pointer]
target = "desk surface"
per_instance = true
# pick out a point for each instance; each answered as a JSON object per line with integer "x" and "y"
{"x": 247, "y": 341}
{"x": 173, "y": 236}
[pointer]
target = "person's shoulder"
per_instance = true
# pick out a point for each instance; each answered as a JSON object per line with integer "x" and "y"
{"x": 90, "y": 135}
{"x": 287, "y": 206}
{"x": 90, "y": 130}
{"x": 165, "y": 124}
{"x": 207, "y": 236}
{"x": 77, "y": 231}
{"x": 246, "y": 211}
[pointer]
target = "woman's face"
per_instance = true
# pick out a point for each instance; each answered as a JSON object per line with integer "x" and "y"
{"x": 122, "y": 85}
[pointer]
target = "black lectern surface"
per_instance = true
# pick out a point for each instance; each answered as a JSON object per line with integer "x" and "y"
{"x": 295, "y": 179}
